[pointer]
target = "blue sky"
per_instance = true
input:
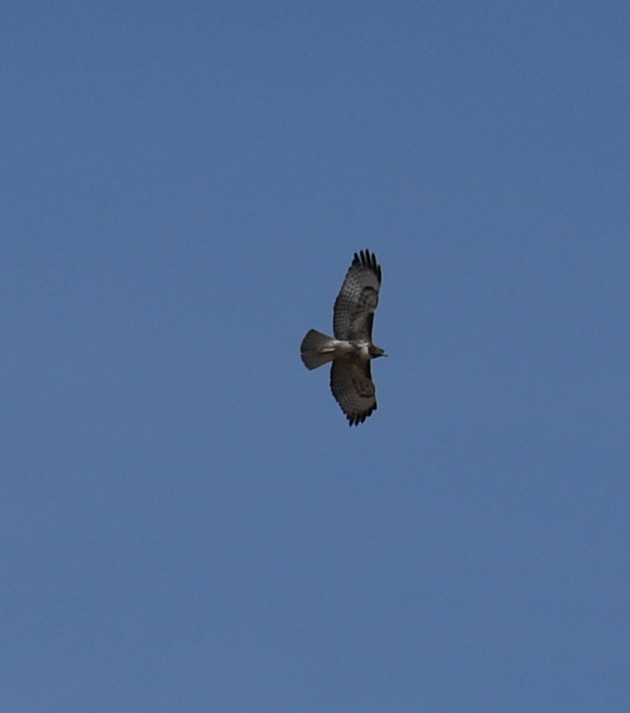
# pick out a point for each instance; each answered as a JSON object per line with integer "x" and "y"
{"x": 187, "y": 521}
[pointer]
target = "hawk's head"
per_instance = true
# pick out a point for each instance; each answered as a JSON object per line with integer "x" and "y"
{"x": 376, "y": 351}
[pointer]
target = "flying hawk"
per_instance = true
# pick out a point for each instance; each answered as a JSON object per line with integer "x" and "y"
{"x": 352, "y": 348}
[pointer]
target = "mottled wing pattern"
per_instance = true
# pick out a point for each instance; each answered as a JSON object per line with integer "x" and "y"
{"x": 357, "y": 301}
{"x": 353, "y": 388}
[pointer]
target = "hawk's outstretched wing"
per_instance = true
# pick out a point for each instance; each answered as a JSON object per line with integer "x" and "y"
{"x": 358, "y": 299}
{"x": 353, "y": 388}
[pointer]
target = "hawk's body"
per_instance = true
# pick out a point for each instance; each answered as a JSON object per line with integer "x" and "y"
{"x": 352, "y": 348}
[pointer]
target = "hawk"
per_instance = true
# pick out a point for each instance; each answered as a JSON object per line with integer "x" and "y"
{"x": 352, "y": 349}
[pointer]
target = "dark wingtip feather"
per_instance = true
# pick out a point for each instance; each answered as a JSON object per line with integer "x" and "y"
{"x": 355, "y": 420}
{"x": 368, "y": 259}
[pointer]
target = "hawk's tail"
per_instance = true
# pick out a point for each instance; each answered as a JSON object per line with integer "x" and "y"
{"x": 317, "y": 349}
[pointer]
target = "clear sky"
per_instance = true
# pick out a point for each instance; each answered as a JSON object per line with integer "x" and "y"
{"x": 187, "y": 521}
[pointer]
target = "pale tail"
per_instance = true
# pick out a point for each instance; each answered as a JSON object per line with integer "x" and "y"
{"x": 312, "y": 346}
